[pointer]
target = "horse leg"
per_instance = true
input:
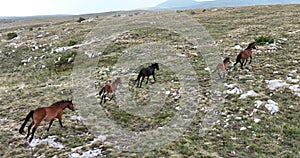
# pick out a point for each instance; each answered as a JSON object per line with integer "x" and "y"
{"x": 104, "y": 97}
{"x": 245, "y": 62}
{"x": 32, "y": 134}
{"x": 147, "y": 79}
{"x": 154, "y": 77}
{"x": 59, "y": 119}
{"x": 101, "y": 99}
{"x": 242, "y": 63}
{"x": 142, "y": 81}
{"x": 138, "y": 82}
{"x": 112, "y": 96}
{"x": 36, "y": 124}
{"x": 250, "y": 59}
{"x": 50, "y": 124}
{"x": 220, "y": 75}
{"x": 29, "y": 127}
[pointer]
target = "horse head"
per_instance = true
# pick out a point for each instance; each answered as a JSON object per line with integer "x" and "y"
{"x": 252, "y": 45}
{"x": 118, "y": 80}
{"x": 226, "y": 60}
{"x": 155, "y": 65}
{"x": 70, "y": 105}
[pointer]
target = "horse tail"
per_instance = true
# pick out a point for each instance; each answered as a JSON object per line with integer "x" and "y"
{"x": 30, "y": 115}
{"x": 238, "y": 59}
{"x": 102, "y": 91}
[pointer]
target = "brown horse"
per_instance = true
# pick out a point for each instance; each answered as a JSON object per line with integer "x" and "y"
{"x": 45, "y": 113}
{"x": 221, "y": 67}
{"x": 108, "y": 88}
{"x": 244, "y": 55}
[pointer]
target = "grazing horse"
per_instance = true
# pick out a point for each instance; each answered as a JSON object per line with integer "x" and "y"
{"x": 244, "y": 55}
{"x": 146, "y": 72}
{"x": 221, "y": 67}
{"x": 48, "y": 113}
{"x": 108, "y": 88}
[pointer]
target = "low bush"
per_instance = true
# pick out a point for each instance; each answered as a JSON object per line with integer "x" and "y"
{"x": 11, "y": 35}
{"x": 263, "y": 40}
{"x": 80, "y": 19}
{"x": 72, "y": 43}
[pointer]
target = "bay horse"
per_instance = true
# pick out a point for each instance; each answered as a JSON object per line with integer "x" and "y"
{"x": 244, "y": 55}
{"x": 221, "y": 67}
{"x": 48, "y": 113}
{"x": 146, "y": 72}
{"x": 108, "y": 88}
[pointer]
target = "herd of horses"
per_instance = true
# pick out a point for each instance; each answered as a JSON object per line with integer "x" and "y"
{"x": 56, "y": 110}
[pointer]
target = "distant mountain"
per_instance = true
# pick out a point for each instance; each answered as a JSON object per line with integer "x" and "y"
{"x": 191, "y": 4}
{"x": 170, "y": 4}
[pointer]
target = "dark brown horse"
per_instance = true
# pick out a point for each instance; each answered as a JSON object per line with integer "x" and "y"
{"x": 45, "y": 113}
{"x": 146, "y": 72}
{"x": 108, "y": 88}
{"x": 221, "y": 67}
{"x": 244, "y": 55}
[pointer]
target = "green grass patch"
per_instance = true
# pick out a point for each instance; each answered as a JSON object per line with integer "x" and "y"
{"x": 264, "y": 40}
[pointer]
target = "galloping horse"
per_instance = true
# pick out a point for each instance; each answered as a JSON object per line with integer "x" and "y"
{"x": 108, "y": 88}
{"x": 146, "y": 72}
{"x": 45, "y": 113}
{"x": 244, "y": 55}
{"x": 221, "y": 67}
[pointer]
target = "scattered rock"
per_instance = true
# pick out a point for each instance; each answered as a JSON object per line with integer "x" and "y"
{"x": 272, "y": 106}
{"x": 273, "y": 84}
{"x": 249, "y": 93}
{"x": 258, "y": 103}
{"x": 256, "y": 120}
{"x": 243, "y": 128}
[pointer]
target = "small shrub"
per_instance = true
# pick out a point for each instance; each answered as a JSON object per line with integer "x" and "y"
{"x": 80, "y": 19}
{"x": 72, "y": 43}
{"x": 263, "y": 40}
{"x": 11, "y": 35}
{"x": 31, "y": 29}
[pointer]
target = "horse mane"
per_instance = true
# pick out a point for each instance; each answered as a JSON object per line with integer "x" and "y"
{"x": 62, "y": 101}
{"x": 250, "y": 45}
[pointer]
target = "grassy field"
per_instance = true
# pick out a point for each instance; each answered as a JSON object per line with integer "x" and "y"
{"x": 36, "y": 70}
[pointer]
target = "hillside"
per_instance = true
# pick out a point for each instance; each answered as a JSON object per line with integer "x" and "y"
{"x": 191, "y": 4}
{"x": 258, "y": 114}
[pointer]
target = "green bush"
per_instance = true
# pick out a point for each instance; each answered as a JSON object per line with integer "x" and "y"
{"x": 11, "y": 35}
{"x": 80, "y": 19}
{"x": 263, "y": 40}
{"x": 72, "y": 43}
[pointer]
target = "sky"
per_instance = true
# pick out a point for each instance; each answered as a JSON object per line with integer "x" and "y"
{"x": 50, "y": 7}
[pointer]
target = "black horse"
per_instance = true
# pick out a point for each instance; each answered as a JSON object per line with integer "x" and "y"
{"x": 146, "y": 72}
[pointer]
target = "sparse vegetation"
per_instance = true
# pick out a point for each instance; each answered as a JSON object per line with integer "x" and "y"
{"x": 35, "y": 72}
